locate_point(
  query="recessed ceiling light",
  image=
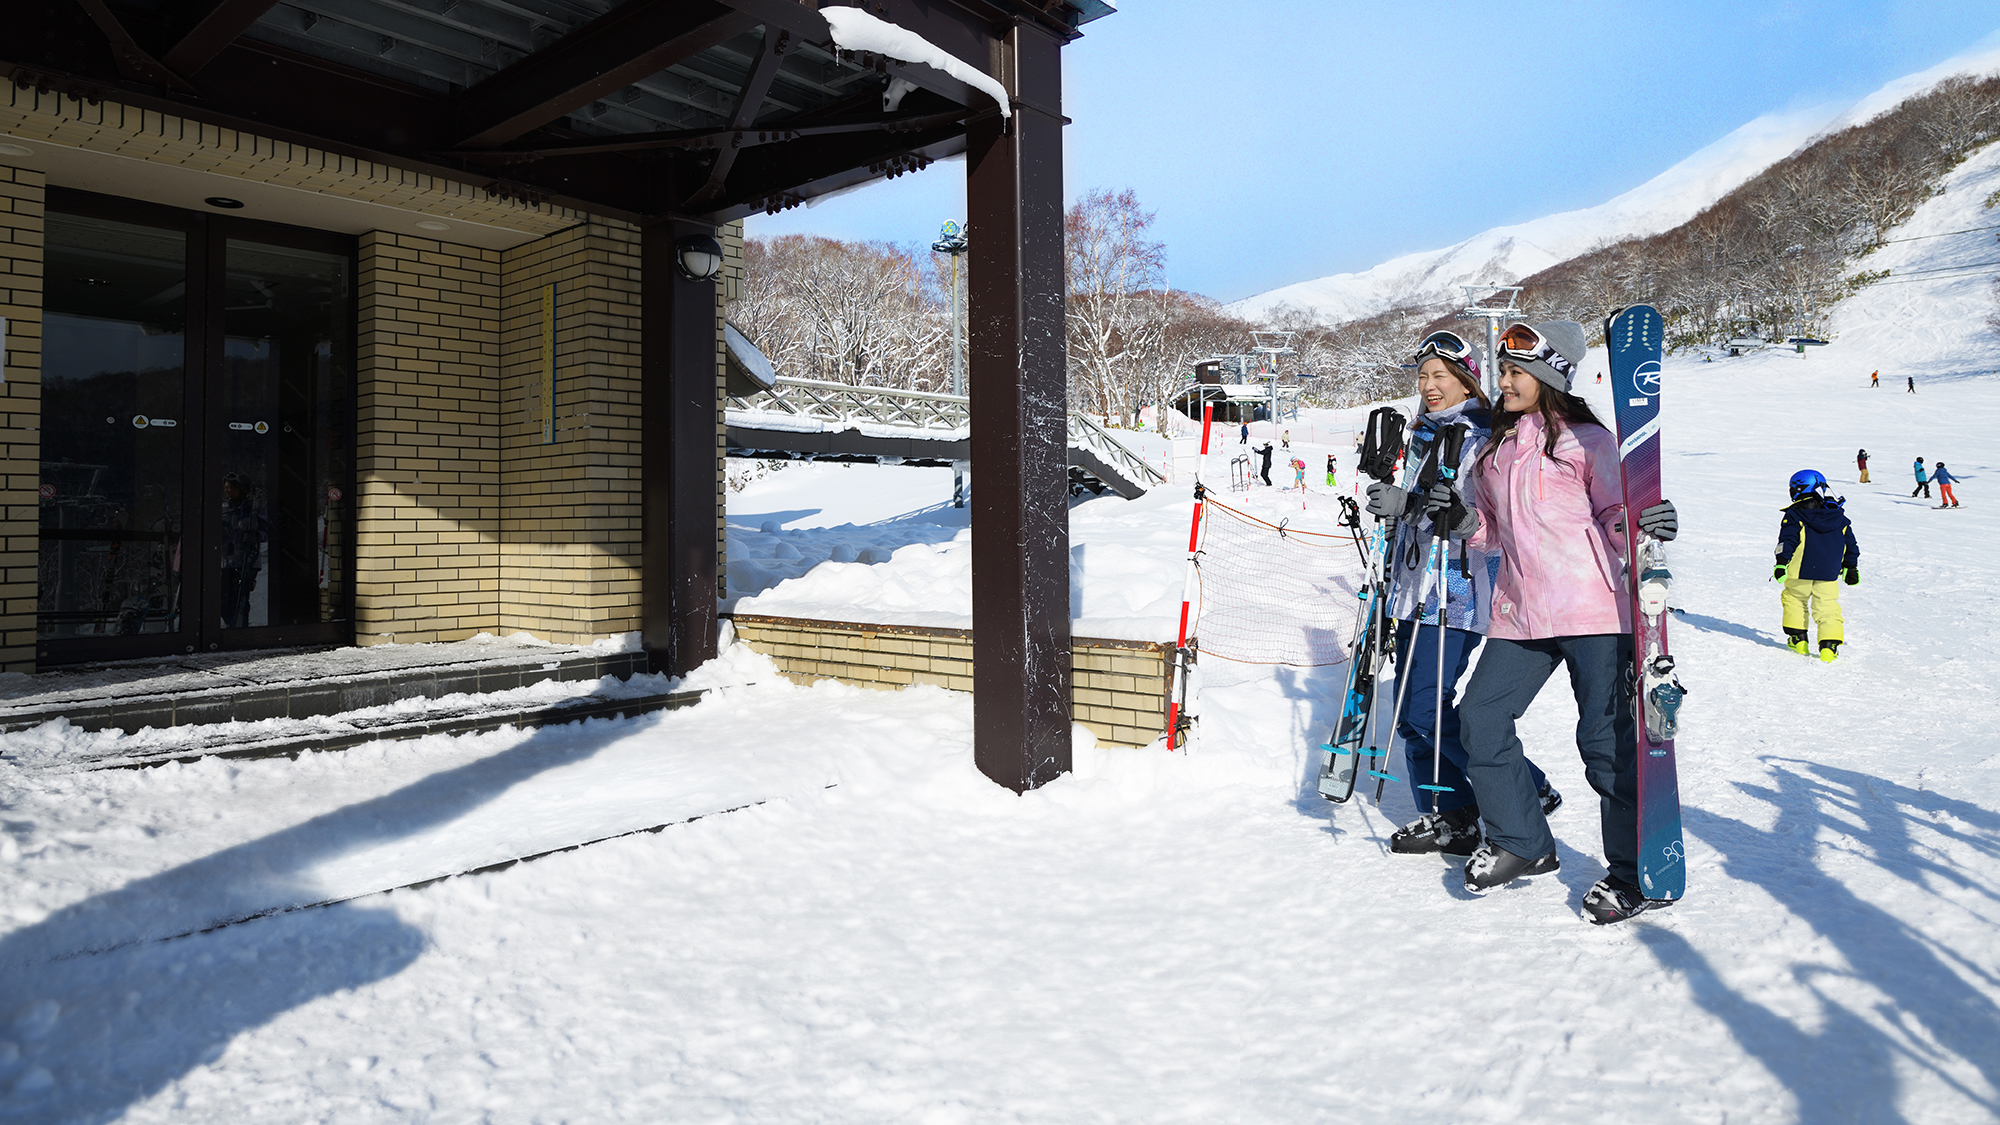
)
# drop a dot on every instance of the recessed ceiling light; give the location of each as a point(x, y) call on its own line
point(16, 150)
point(432, 224)
point(224, 202)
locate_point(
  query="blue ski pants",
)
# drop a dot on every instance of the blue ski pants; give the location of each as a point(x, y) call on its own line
point(1509, 675)
point(1415, 721)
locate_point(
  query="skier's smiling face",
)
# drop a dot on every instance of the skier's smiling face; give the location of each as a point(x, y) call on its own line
point(1439, 387)
point(1520, 392)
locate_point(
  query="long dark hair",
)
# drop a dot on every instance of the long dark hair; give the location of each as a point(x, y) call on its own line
point(1557, 408)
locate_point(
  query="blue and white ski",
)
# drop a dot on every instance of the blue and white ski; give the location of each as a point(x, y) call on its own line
point(1635, 337)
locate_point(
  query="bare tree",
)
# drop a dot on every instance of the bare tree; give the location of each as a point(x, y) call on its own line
point(1116, 317)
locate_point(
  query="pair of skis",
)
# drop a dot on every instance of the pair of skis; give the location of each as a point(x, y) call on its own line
point(1374, 635)
point(1375, 631)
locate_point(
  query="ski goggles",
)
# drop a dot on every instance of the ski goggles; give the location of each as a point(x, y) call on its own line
point(1451, 346)
point(1523, 342)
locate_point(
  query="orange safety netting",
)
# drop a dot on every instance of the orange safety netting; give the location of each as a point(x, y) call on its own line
point(1272, 594)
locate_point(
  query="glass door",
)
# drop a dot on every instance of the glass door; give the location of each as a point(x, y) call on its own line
point(279, 436)
point(197, 433)
point(114, 438)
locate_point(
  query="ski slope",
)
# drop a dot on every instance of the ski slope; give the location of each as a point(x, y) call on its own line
point(1506, 254)
point(1156, 937)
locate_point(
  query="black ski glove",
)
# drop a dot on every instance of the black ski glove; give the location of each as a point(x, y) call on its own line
point(1447, 508)
point(1386, 501)
point(1778, 573)
point(1854, 574)
point(1660, 521)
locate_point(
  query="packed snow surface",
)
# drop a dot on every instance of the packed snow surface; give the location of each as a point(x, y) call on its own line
point(1506, 254)
point(1153, 937)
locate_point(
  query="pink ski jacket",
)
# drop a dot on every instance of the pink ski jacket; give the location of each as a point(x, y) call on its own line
point(1562, 569)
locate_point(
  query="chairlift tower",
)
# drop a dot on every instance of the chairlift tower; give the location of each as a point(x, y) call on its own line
point(1267, 347)
point(1493, 304)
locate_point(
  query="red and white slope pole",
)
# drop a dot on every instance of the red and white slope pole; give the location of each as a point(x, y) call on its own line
point(1177, 694)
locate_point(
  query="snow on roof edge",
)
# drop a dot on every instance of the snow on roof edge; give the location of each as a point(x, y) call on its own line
point(856, 30)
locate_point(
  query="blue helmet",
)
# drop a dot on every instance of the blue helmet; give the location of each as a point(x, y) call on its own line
point(1805, 482)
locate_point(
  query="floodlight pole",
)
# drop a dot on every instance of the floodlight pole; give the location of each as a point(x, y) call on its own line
point(951, 242)
point(1476, 297)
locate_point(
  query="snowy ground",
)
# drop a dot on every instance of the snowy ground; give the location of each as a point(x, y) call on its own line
point(1155, 937)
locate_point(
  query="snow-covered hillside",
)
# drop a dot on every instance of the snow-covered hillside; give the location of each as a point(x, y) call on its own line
point(1506, 254)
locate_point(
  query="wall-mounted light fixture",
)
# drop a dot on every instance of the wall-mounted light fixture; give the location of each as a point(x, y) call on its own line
point(432, 224)
point(699, 256)
point(224, 202)
point(16, 150)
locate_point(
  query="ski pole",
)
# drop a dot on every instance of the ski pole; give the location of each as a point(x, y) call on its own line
point(1426, 477)
point(1450, 444)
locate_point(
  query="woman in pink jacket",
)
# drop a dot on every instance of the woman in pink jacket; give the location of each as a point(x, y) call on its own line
point(1551, 502)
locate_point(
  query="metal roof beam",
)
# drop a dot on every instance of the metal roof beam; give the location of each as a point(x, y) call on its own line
point(226, 19)
point(638, 38)
point(132, 60)
point(748, 103)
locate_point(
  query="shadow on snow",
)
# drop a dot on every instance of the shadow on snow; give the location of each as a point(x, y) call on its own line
point(1934, 1014)
point(105, 1006)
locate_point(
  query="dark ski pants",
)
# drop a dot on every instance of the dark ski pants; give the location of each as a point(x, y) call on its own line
point(1509, 675)
point(1415, 721)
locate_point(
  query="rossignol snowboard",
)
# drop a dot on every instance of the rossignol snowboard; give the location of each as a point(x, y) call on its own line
point(1635, 337)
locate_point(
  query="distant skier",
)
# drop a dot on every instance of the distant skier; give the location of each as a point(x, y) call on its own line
point(1944, 481)
point(1245, 439)
point(1286, 439)
point(1298, 474)
point(1815, 547)
point(1265, 452)
point(1448, 391)
point(1861, 462)
point(1913, 384)
point(1550, 499)
point(1923, 482)
point(1874, 379)
point(1332, 467)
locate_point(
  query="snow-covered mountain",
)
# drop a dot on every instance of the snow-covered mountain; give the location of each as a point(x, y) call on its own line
point(1507, 254)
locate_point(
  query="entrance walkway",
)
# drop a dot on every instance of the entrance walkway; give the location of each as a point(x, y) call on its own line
point(291, 683)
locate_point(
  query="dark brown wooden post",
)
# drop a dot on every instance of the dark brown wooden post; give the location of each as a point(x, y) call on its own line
point(1020, 408)
point(677, 455)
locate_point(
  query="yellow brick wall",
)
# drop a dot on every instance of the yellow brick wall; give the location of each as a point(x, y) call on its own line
point(1119, 688)
point(21, 192)
point(569, 511)
point(165, 139)
point(428, 521)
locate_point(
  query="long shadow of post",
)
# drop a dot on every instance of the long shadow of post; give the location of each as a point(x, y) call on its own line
point(101, 1013)
point(1844, 1072)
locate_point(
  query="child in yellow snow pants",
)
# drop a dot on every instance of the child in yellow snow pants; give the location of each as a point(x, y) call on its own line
point(1816, 553)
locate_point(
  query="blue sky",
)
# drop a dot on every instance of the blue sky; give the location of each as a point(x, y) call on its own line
point(1281, 140)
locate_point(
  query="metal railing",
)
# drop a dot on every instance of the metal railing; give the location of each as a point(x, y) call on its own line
point(925, 410)
point(1086, 433)
point(845, 402)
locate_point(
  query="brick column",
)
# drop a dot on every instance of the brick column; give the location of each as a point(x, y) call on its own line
point(21, 192)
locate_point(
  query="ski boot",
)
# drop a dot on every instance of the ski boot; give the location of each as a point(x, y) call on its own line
point(1795, 639)
point(1551, 800)
point(1494, 866)
point(1614, 900)
point(1453, 832)
point(1829, 651)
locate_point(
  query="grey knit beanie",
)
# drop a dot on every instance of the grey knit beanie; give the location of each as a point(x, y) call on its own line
point(1566, 336)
